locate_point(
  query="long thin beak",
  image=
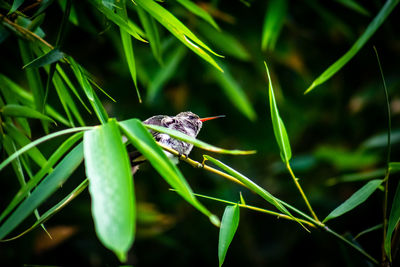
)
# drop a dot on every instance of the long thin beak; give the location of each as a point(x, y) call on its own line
point(211, 118)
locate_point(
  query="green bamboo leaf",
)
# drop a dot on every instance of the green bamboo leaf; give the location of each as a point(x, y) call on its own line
point(71, 86)
point(273, 22)
point(229, 224)
point(224, 41)
point(166, 72)
point(22, 140)
point(10, 148)
point(13, 110)
point(234, 92)
point(47, 168)
point(178, 29)
point(16, 4)
point(26, 98)
point(277, 123)
point(111, 188)
point(394, 167)
point(181, 136)
point(394, 219)
point(355, 200)
point(371, 29)
point(118, 20)
point(34, 81)
point(46, 59)
point(33, 144)
point(47, 187)
point(355, 6)
point(128, 49)
point(87, 88)
point(252, 186)
point(143, 141)
point(66, 100)
point(4, 33)
point(152, 34)
point(198, 11)
point(56, 208)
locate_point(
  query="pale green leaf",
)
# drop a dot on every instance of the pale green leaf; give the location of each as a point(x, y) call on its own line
point(277, 124)
point(229, 224)
point(111, 187)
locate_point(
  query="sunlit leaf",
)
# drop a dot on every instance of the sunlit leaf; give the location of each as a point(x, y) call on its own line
point(371, 29)
point(111, 187)
point(277, 124)
point(394, 219)
point(179, 30)
point(355, 200)
point(181, 136)
point(273, 22)
point(16, 4)
point(229, 224)
point(47, 187)
point(198, 11)
point(143, 141)
point(251, 185)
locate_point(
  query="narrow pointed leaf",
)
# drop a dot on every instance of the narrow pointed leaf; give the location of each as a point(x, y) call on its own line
point(46, 59)
point(181, 136)
point(394, 219)
point(371, 229)
point(33, 144)
point(371, 29)
point(16, 4)
point(13, 110)
point(273, 22)
point(111, 188)
point(355, 6)
point(47, 168)
point(229, 224)
point(198, 11)
point(142, 140)
point(251, 185)
point(47, 187)
point(355, 200)
point(234, 92)
point(178, 29)
point(128, 49)
point(152, 33)
point(166, 72)
point(118, 20)
point(56, 208)
point(22, 140)
point(279, 128)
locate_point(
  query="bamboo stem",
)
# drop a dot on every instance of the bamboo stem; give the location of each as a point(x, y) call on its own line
point(296, 182)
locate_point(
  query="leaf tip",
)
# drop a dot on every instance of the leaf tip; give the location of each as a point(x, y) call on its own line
point(215, 220)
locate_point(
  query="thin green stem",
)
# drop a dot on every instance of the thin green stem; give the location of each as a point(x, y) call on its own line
point(296, 182)
point(372, 259)
point(388, 149)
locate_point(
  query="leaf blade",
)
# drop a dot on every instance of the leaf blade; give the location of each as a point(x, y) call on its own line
point(111, 188)
point(356, 199)
point(14, 110)
point(229, 225)
point(394, 219)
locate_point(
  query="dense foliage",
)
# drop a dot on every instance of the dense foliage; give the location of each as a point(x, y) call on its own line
point(77, 76)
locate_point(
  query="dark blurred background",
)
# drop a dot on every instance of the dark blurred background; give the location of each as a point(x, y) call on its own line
point(330, 131)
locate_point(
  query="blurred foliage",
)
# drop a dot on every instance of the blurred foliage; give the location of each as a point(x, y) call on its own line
point(76, 63)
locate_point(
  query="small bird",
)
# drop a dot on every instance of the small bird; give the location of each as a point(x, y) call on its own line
point(186, 122)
